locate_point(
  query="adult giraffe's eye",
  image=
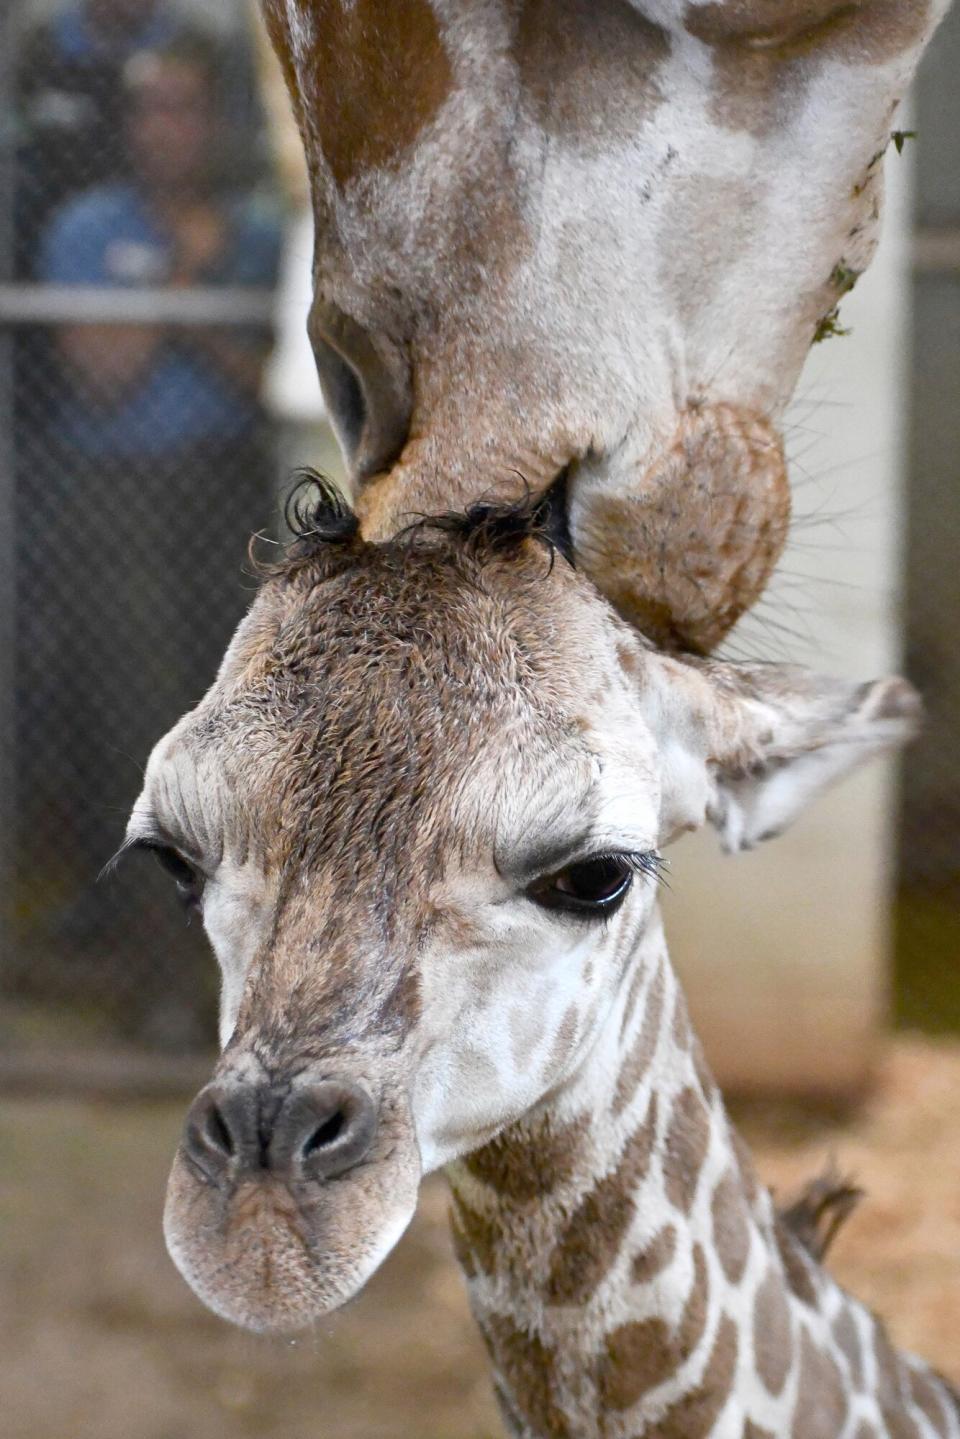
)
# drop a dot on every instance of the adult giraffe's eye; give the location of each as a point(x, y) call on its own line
point(594, 886)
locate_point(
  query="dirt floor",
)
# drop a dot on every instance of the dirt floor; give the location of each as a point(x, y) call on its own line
point(100, 1339)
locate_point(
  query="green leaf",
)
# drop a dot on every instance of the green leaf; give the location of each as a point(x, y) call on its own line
point(829, 327)
point(900, 138)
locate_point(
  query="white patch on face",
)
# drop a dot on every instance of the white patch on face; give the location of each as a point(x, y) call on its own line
point(236, 916)
point(469, 1083)
point(628, 798)
point(185, 799)
point(510, 1018)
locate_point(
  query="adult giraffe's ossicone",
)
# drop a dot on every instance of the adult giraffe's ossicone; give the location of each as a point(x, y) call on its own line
point(595, 233)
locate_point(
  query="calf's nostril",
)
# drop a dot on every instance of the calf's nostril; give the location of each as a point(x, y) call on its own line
point(218, 1134)
point(324, 1134)
point(220, 1127)
point(324, 1130)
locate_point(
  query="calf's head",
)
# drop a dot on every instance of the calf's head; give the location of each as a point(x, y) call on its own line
point(421, 810)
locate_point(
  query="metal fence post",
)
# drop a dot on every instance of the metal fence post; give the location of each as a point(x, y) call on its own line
point(8, 32)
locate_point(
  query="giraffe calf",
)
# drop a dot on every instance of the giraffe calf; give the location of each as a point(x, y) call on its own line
point(421, 811)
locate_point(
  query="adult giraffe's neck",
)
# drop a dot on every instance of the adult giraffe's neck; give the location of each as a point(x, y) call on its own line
point(631, 1278)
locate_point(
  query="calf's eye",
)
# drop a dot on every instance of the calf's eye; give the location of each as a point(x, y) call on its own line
point(188, 880)
point(595, 886)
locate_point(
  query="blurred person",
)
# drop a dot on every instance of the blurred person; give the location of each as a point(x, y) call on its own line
point(70, 101)
point(153, 469)
point(143, 390)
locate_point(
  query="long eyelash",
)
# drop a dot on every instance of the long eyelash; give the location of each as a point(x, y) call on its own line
point(649, 864)
point(113, 863)
point(147, 845)
point(188, 898)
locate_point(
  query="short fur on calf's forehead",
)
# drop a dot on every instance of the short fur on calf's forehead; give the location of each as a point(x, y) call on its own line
point(369, 681)
point(386, 712)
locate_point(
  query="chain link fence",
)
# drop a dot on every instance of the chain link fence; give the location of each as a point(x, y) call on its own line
point(138, 258)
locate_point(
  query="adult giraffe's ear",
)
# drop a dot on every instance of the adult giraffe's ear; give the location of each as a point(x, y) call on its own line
point(748, 746)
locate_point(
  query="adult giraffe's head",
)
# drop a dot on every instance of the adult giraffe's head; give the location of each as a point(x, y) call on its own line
point(598, 232)
point(421, 811)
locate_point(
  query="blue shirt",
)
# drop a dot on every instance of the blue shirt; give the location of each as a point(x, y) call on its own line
point(107, 236)
point(76, 40)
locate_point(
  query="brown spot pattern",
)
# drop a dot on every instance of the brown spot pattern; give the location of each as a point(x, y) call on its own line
point(649, 1262)
point(693, 1321)
point(871, 32)
point(731, 1227)
point(846, 1334)
point(391, 74)
point(927, 1393)
point(753, 1431)
point(865, 1431)
point(748, 1173)
point(588, 70)
point(765, 52)
point(796, 1265)
point(474, 1238)
point(638, 1357)
point(772, 1342)
point(522, 1169)
point(633, 994)
point(562, 1046)
point(693, 1416)
point(643, 1353)
point(528, 1370)
point(891, 1387)
point(900, 1425)
point(821, 1406)
point(592, 1237)
point(687, 1141)
point(642, 1053)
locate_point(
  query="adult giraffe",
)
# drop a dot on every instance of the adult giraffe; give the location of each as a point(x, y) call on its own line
point(591, 233)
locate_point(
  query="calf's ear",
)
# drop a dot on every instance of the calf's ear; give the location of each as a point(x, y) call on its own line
point(747, 746)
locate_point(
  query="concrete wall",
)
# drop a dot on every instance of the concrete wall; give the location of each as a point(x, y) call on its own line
point(785, 951)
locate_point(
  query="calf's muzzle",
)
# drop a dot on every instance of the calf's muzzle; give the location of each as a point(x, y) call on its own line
point(237, 1132)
